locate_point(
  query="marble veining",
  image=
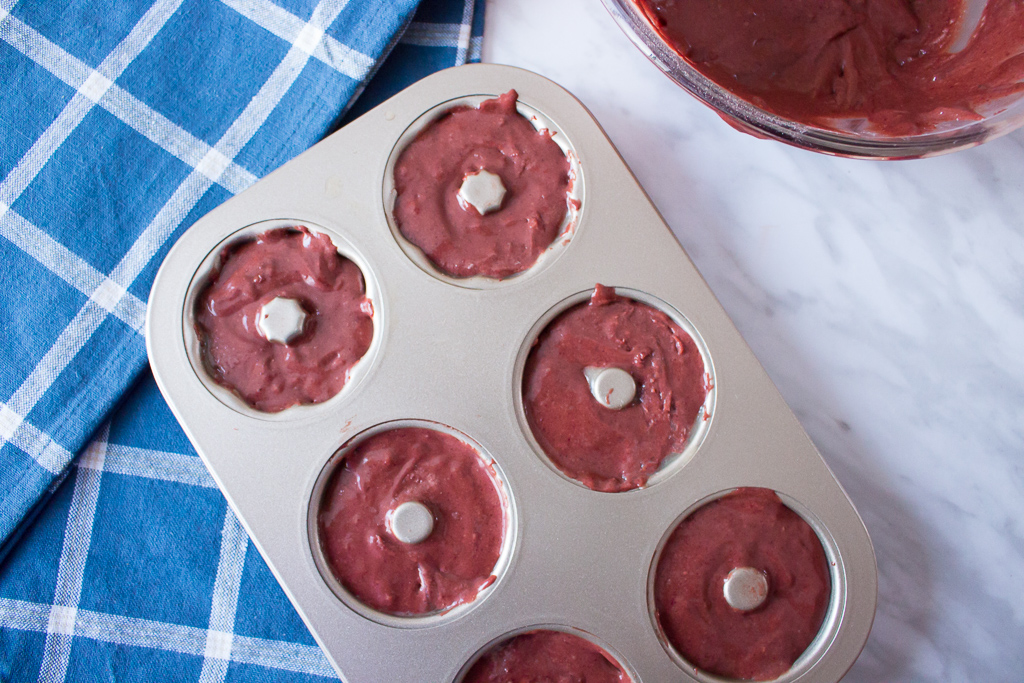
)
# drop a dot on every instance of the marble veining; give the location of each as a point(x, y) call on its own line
point(885, 299)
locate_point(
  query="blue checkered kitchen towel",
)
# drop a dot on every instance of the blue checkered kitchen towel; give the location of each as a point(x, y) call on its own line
point(120, 124)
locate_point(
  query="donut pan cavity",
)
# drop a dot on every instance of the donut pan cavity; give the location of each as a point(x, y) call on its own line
point(430, 619)
point(451, 353)
point(703, 421)
point(213, 262)
point(539, 121)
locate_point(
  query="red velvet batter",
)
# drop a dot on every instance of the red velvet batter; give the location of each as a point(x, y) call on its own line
point(747, 528)
point(295, 264)
point(546, 657)
point(822, 61)
point(613, 450)
point(494, 138)
point(412, 464)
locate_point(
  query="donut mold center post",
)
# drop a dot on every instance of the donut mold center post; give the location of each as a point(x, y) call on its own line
point(281, 320)
point(411, 522)
point(745, 588)
point(483, 191)
point(611, 387)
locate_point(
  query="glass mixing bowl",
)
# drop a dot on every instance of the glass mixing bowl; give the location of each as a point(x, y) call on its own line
point(747, 117)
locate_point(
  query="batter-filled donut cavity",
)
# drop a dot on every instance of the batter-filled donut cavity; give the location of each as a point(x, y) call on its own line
point(411, 521)
point(483, 189)
point(543, 656)
point(280, 318)
point(742, 587)
point(616, 391)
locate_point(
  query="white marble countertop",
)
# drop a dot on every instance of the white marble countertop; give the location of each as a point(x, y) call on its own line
point(885, 299)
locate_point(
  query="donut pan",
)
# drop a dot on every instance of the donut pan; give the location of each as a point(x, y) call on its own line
point(451, 352)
